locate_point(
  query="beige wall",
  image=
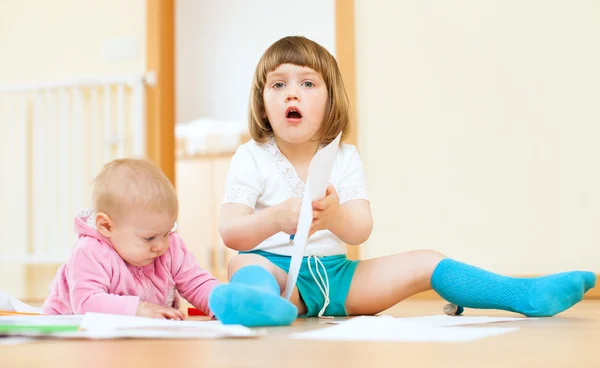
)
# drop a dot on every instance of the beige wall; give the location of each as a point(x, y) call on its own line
point(201, 185)
point(479, 126)
point(51, 41)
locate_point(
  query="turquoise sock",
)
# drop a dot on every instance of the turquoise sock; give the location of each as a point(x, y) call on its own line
point(472, 287)
point(252, 298)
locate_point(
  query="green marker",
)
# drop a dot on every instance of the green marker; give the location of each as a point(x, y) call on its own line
point(16, 328)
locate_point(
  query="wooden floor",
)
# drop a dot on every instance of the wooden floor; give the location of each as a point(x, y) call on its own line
point(571, 339)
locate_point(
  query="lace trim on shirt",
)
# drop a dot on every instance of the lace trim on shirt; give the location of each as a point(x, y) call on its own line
point(355, 191)
point(239, 195)
point(286, 169)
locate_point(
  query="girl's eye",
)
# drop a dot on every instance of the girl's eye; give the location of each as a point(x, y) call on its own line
point(278, 85)
point(150, 238)
point(308, 84)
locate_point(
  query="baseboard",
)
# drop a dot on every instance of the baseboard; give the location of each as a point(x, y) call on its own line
point(593, 294)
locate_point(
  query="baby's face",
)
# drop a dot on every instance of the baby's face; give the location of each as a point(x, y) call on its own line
point(141, 236)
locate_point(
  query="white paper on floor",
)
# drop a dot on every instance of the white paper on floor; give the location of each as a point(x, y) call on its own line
point(108, 326)
point(43, 320)
point(103, 326)
point(444, 320)
point(15, 340)
point(12, 304)
point(399, 330)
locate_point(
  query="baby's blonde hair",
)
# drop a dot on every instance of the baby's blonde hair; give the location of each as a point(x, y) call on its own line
point(301, 51)
point(129, 182)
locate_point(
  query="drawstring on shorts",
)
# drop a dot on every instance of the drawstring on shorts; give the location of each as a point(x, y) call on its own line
point(322, 284)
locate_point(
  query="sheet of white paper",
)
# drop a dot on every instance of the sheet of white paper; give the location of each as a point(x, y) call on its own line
point(444, 320)
point(138, 333)
point(10, 303)
point(317, 180)
point(396, 330)
point(319, 171)
point(15, 340)
point(162, 333)
point(300, 240)
point(107, 326)
point(43, 320)
point(98, 325)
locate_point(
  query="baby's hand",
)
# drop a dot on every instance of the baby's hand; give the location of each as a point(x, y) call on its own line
point(326, 212)
point(289, 214)
point(156, 311)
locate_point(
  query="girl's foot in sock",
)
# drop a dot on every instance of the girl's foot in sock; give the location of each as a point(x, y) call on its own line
point(473, 287)
point(252, 299)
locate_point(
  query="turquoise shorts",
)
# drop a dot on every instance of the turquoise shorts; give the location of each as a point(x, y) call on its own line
point(340, 271)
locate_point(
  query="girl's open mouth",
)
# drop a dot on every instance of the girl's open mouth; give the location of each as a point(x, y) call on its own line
point(293, 114)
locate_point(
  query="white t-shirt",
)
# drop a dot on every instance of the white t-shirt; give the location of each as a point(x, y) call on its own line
point(260, 176)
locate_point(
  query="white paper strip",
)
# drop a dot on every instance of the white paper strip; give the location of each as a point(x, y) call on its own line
point(317, 180)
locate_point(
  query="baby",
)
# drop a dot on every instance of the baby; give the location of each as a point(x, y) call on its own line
point(128, 258)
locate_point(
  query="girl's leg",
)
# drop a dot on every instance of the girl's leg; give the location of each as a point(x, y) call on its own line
point(545, 296)
point(242, 260)
point(380, 283)
point(253, 295)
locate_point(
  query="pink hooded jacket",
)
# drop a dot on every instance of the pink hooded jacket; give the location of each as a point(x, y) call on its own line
point(97, 279)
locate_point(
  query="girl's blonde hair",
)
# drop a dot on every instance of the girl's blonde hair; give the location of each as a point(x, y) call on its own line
point(128, 183)
point(301, 51)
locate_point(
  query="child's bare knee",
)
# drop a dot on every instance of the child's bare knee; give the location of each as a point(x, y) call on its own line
point(434, 255)
point(427, 261)
point(242, 260)
point(238, 262)
point(430, 259)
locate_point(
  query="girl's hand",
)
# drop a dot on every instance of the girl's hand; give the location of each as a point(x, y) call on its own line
point(156, 311)
point(327, 212)
point(287, 219)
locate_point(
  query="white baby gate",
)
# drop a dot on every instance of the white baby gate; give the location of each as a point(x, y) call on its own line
point(54, 139)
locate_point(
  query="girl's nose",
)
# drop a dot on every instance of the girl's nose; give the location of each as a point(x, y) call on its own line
point(291, 95)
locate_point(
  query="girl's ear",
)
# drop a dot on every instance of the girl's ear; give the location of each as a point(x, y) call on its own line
point(104, 224)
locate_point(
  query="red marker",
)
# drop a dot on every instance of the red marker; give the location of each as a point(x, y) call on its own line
point(195, 312)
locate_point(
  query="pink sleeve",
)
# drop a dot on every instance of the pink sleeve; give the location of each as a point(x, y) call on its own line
point(193, 283)
point(88, 277)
